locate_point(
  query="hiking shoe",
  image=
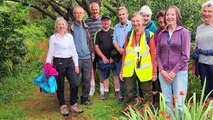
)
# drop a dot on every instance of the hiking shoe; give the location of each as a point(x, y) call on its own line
point(118, 95)
point(87, 102)
point(76, 109)
point(64, 111)
point(104, 96)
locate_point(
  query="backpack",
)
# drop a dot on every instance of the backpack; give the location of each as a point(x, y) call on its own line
point(147, 33)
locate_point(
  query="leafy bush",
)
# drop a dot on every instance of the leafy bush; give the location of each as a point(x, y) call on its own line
point(11, 42)
point(192, 110)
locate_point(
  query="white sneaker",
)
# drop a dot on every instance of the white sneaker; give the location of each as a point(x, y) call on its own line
point(92, 88)
point(101, 88)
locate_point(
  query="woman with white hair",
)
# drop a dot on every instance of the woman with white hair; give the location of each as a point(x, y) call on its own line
point(204, 45)
point(146, 14)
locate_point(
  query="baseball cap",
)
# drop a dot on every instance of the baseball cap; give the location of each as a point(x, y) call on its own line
point(105, 16)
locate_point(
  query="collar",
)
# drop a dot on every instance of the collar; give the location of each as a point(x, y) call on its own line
point(177, 29)
point(127, 23)
point(85, 26)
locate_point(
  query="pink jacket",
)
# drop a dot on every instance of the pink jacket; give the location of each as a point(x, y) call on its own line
point(50, 70)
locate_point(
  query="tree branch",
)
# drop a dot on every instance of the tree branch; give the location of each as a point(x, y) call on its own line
point(58, 9)
point(64, 6)
point(110, 9)
point(44, 12)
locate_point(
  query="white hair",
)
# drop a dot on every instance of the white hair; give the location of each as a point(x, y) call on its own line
point(208, 3)
point(60, 19)
point(145, 10)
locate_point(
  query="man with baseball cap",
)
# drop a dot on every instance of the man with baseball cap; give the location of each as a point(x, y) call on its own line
point(103, 48)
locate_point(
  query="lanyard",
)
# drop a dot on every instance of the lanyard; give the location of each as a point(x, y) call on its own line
point(138, 53)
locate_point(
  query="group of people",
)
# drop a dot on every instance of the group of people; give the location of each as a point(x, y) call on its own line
point(140, 57)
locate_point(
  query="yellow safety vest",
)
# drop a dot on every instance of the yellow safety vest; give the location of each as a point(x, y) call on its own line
point(144, 72)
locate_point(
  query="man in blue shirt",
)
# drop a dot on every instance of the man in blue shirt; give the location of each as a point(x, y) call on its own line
point(119, 35)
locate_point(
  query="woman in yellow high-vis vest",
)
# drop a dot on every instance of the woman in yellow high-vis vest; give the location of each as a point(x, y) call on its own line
point(138, 62)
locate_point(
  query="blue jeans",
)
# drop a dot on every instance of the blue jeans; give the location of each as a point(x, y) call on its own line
point(180, 83)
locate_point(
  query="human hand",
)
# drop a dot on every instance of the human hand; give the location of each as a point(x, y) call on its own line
point(172, 75)
point(154, 78)
point(76, 69)
point(121, 50)
point(105, 60)
point(165, 76)
point(111, 60)
point(121, 77)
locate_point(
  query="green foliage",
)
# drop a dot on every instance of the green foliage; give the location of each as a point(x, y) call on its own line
point(192, 110)
point(11, 42)
point(11, 113)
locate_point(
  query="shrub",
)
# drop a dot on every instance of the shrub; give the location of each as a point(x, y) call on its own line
point(192, 110)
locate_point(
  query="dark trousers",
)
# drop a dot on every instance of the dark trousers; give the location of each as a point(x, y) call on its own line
point(118, 70)
point(66, 68)
point(85, 67)
point(206, 73)
point(130, 85)
point(156, 87)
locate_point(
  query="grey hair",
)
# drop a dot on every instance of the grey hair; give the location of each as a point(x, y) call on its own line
point(146, 10)
point(76, 7)
point(60, 19)
point(136, 14)
point(208, 3)
point(123, 8)
point(93, 3)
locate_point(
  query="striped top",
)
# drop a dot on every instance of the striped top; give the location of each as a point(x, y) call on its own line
point(204, 41)
point(94, 25)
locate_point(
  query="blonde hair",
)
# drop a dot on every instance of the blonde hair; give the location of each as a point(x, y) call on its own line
point(60, 19)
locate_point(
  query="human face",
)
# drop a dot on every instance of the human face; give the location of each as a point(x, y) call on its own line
point(95, 11)
point(207, 15)
point(123, 16)
point(161, 21)
point(61, 26)
point(171, 17)
point(106, 23)
point(79, 14)
point(146, 18)
point(137, 22)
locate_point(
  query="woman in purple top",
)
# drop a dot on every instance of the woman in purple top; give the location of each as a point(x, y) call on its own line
point(173, 50)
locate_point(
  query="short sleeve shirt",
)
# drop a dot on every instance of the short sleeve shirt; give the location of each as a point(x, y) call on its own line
point(104, 40)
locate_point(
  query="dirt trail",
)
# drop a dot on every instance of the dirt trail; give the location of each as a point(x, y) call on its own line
point(45, 107)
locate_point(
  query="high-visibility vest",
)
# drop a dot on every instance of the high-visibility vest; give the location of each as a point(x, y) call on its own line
point(144, 72)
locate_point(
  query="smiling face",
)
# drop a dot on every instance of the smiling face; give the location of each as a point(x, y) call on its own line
point(146, 18)
point(79, 14)
point(207, 14)
point(106, 23)
point(137, 22)
point(171, 17)
point(161, 21)
point(94, 9)
point(61, 26)
point(123, 16)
